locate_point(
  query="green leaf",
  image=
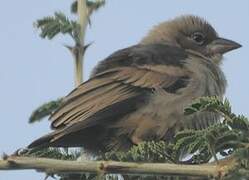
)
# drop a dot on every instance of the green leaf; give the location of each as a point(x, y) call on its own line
point(45, 110)
point(51, 26)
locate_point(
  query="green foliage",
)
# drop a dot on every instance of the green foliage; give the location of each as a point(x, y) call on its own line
point(53, 153)
point(53, 25)
point(144, 152)
point(211, 104)
point(224, 138)
point(205, 144)
point(45, 110)
point(92, 5)
point(62, 154)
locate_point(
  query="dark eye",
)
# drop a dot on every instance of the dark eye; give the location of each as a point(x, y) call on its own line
point(198, 37)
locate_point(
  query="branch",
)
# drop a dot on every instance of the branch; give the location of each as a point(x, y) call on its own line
point(84, 10)
point(54, 166)
point(79, 56)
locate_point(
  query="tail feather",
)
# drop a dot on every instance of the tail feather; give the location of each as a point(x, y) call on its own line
point(87, 138)
point(43, 142)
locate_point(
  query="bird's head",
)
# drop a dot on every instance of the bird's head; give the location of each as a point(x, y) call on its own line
point(191, 33)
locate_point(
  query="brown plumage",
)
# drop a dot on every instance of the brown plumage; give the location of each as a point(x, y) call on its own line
point(139, 93)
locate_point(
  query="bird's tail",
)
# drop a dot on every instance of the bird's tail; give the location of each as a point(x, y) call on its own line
point(43, 142)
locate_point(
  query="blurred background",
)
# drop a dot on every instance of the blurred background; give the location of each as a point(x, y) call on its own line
point(34, 71)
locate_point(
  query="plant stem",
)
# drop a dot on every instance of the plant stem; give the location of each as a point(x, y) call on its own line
point(79, 53)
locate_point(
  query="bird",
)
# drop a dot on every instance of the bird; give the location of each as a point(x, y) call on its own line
point(139, 93)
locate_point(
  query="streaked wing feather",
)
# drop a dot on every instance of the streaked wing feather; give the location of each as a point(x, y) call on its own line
point(106, 91)
point(82, 100)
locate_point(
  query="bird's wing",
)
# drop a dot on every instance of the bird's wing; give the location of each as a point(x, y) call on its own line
point(113, 93)
point(121, 83)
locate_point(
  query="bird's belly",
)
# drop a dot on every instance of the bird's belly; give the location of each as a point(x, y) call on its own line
point(164, 115)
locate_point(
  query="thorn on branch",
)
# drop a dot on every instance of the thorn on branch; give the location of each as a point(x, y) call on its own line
point(77, 49)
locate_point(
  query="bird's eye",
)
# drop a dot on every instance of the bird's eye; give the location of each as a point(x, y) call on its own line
point(198, 37)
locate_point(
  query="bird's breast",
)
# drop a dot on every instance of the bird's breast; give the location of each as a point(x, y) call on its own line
point(207, 77)
point(166, 109)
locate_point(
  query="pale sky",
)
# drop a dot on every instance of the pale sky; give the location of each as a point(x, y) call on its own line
point(34, 71)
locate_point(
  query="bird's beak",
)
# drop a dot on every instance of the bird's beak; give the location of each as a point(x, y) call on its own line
point(221, 46)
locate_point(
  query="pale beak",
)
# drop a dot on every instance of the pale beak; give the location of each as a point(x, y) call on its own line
point(221, 46)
